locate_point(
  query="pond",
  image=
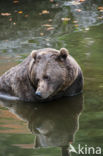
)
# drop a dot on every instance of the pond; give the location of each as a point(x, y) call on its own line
point(47, 129)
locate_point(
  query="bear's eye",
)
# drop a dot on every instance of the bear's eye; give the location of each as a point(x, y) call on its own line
point(46, 77)
point(37, 81)
point(37, 60)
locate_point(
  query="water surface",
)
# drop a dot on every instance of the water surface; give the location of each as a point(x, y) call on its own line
point(28, 129)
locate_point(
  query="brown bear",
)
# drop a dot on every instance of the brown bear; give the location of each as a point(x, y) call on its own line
point(45, 74)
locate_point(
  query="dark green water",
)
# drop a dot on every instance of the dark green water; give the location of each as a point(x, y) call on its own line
point(54, 125)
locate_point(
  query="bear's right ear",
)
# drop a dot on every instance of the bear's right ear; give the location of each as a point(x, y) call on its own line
point(63, 53)
point(33, 54)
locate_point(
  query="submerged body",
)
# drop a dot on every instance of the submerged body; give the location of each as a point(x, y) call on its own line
point(44, 75)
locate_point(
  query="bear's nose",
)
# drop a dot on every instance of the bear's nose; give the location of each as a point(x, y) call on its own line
point(38, 94)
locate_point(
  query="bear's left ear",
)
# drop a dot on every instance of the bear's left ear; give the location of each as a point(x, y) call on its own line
point(63, 53)
point(33, 54)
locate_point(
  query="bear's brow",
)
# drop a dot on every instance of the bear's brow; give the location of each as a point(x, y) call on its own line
point(48, 54)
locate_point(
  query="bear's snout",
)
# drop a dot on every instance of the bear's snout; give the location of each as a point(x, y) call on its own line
point(38, 94)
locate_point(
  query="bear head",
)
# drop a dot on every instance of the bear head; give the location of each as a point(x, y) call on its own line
point(48, 72)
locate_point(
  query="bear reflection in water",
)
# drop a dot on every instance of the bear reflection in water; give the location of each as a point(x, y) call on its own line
point(53, 123)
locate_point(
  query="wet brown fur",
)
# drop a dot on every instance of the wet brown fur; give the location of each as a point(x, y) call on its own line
point(23, 80)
